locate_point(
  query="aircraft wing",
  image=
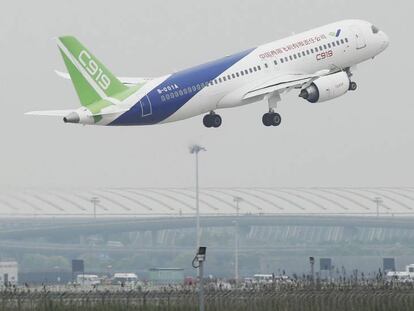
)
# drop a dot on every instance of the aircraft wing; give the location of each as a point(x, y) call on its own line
point(285, 82)
point(125, 80)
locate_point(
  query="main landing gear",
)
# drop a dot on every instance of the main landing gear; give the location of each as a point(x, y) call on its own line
point(212, 120)
point(353, 86)
point(271, 119)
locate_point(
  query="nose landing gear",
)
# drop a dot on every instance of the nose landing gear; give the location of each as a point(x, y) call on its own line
point(353, 86)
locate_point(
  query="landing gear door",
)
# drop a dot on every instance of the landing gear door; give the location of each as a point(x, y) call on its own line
point(146, 107)
point(359, 38)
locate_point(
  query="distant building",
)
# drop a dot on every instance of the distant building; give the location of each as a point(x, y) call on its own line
point(8, 273)
point(164, 276)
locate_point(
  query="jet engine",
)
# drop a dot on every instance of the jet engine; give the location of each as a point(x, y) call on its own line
point(326, 88)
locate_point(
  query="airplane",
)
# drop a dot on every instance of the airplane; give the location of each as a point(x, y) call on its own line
point(317, 64)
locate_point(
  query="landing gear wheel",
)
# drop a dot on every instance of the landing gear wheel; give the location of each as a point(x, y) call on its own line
point(212, 120)
point(207, 121)
point(271, 119)
point(216, 120)
point(276, 119)
point(353, 86)
point(266, 119)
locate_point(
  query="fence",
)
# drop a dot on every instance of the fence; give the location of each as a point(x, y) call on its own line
point(291, 297)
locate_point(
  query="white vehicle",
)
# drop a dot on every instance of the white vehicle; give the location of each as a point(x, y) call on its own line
point(88, 280)
point(263, 278)
point(402, 276)
point(125, 279)
point(316, 64)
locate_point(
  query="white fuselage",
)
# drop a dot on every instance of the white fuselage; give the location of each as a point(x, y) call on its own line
point(361, 45)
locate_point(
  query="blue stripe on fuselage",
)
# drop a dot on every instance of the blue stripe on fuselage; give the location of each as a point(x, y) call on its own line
point(183, 79)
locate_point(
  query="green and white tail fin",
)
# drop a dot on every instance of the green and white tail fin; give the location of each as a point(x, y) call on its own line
point(92, 80)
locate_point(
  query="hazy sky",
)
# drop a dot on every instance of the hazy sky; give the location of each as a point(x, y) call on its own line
point(364, 138)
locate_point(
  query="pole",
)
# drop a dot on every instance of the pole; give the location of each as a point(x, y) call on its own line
point(312, 263)
point(195, 149)
point(236, 259)
point(95, 201)
point(197, 205)
point(378, 201)
point(201, 287)
point(236, 200)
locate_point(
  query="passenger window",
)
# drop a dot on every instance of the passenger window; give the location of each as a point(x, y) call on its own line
point(167, 96)
point(220, 80)
point(333, 44)
point(282, 61)
point(254, 68)
point(198, 87)
point(237, 74)
point(346, 40)
point(242, 73)
point(163, 98)
point(321, 48)
point(172, 95)
point(215, 81)
point(307, 52)
point(286, 59)
point(290, 57)
point(246, 71)
point(338, 43)
point(176, 94)
point(180, 92)
point(233, 76)
point(224, 79)
point(250, 70)
point(194, 88)
point(185, 91)
point(259, 68)
point(342, 41)
point(228, 77)
point(329, 45)
point(303, 53)
point(266, 65)
point(299, 55)
point(189, 90)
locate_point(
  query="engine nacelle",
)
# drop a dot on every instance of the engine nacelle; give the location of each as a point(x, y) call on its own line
point(326, 88)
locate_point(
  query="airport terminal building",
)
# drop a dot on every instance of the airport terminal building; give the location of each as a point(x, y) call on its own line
point(278, 228)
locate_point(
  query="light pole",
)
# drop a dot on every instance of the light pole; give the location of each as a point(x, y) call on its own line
point(95, 201)
point(200, 257)
point(378, 201)
point(237, 201)
point(195, 149)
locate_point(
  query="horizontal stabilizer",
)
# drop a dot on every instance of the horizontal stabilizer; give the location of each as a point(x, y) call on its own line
point(50, 113)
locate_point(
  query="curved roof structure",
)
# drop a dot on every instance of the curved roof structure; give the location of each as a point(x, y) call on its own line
point(118, 202)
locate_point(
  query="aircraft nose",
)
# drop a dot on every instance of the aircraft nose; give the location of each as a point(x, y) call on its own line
point(385, 40)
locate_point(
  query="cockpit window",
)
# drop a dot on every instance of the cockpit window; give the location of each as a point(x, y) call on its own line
point(375, 29)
